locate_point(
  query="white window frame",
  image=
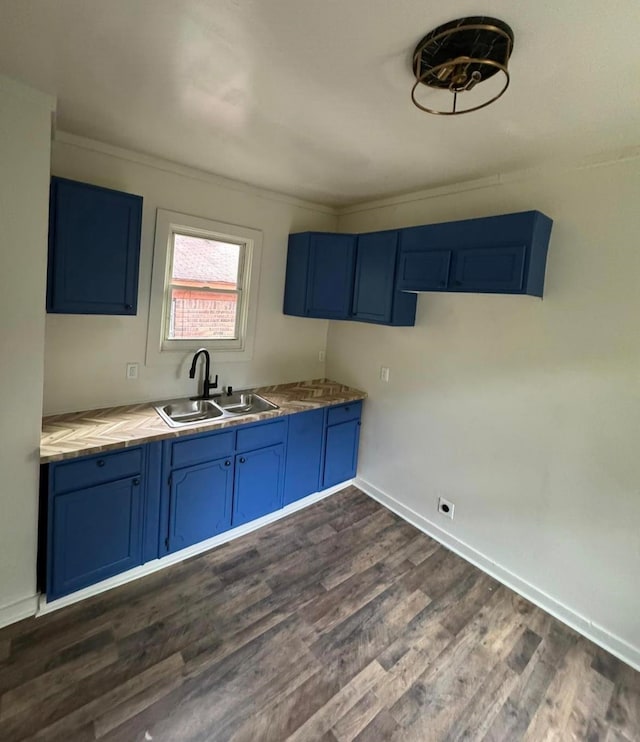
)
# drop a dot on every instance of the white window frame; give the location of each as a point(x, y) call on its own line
point(169, 223)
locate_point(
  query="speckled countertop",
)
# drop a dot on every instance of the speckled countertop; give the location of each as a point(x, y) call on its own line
point(94, 431)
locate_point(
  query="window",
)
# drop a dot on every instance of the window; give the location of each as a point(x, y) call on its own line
point(204, 298)
point(204, 288)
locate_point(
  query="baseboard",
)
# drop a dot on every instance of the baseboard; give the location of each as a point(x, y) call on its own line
point(42, 606)
point(591, 630)
point(19, 610)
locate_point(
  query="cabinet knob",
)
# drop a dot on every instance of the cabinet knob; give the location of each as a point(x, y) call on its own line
point(458, 283)
point(100, 462)
point(242, 459)
point(346, 409)
point(136, 481)
point(128, 306)
point(227, 463)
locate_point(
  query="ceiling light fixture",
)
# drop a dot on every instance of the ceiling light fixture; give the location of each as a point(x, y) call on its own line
point(459, 55)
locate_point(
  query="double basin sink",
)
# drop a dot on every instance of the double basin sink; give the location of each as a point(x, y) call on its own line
point(180, 412)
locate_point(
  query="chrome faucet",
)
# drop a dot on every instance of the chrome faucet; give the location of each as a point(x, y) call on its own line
point(207, 385)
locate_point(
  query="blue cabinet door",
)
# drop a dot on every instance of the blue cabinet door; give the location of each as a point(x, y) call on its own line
point(375, 276)
point(330, 275)
point(341, 452)
point(424, 271)
point(259, 484)
point(199, 503)
point(490, 270)
point(94, 249)
point(96, 532)
point(304, 455)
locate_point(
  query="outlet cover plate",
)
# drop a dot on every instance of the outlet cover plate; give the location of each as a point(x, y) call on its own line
point(446, 507)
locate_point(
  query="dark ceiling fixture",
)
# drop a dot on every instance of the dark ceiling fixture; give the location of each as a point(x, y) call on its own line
point(459, 55)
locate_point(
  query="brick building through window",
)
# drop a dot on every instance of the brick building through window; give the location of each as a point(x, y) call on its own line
point(204, 289)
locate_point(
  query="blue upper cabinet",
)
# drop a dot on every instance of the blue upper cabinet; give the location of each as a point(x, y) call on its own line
point(500, 254)
point(320, 275)
point(375, 298)
point(94, 249)
point(341, 276)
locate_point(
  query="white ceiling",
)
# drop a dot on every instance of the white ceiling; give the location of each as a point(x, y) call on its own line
point(311, 97)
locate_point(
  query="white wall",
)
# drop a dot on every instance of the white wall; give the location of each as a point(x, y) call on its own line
point(25, 134)
point(86, 356)
point(524, 413)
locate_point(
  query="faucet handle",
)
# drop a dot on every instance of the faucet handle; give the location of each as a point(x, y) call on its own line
point(229, 390)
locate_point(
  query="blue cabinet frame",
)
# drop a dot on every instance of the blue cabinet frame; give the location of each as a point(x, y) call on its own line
point(346, 277)
point(499, 255)
point(110, 512)
point(94, 249)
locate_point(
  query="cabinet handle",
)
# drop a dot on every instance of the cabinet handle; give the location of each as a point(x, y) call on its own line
point(227, 463)
point(136, 481)
point(242, 459)
point(100, 462)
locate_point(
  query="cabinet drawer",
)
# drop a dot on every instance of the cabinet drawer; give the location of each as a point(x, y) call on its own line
point(259, 436)
point(204, 448)
point(87, 472)
point(344, 412)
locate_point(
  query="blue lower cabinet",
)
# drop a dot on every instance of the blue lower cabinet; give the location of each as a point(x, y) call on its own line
point(95, 533)
point(304, 455)
point(259, 484)
point(341, 452)
point(199, 503)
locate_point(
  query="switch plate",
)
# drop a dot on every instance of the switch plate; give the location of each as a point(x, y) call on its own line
point(321, 356)
point(132, 370)
point(384, 374)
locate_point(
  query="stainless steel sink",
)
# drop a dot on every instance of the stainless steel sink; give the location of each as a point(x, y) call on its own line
point(244, 403)
point(180, 412)
point(187, 411)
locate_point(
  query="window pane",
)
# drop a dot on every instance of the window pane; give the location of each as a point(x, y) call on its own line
point(200, 263)
point(202, 314)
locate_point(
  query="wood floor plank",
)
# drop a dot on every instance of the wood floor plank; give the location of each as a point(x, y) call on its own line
point(339, 623)
point(358, 717)
point(342, 702)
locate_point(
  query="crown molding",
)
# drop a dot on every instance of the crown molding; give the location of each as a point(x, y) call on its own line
point(594, 161)
point(185, 171)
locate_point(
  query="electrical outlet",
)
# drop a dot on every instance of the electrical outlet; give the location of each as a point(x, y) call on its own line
point(384, 374)
point(321, 356)
point(446, 507)
point(132, 370)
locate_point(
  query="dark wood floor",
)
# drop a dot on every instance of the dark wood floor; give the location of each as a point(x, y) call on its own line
point(338, 623)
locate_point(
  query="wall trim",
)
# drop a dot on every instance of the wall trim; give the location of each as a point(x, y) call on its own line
point(41, 607)
point(510, 176)
point(583, 625)
point(17, 611)
point(186, 171)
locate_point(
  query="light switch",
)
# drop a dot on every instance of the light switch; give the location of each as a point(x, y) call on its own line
point(384, 374)
point(132, 370)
